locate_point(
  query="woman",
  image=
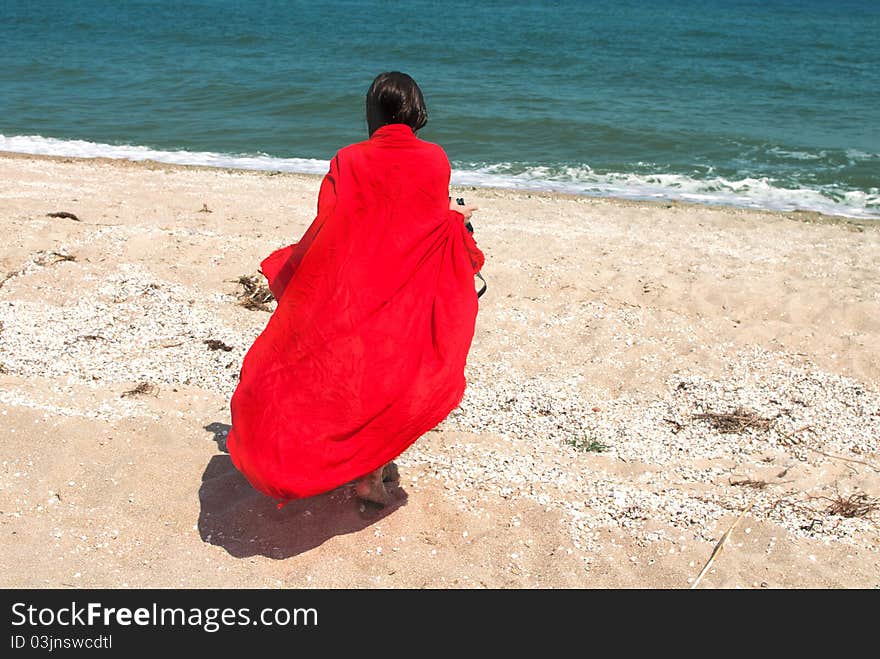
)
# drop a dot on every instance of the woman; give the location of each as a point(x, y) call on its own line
point(376, 312)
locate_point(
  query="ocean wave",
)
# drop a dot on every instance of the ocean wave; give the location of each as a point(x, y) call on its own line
point(759, 193)
point(747, 192)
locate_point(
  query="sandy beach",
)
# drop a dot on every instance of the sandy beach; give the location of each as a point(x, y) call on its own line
point(641, 374)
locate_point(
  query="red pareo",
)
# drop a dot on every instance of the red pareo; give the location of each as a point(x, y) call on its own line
point(376, 313)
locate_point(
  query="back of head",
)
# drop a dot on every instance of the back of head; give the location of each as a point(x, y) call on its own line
point(395, 98)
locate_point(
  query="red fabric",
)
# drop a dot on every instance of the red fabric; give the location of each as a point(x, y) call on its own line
point(376, 312)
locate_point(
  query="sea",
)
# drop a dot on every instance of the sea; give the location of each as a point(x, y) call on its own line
point(770, 104)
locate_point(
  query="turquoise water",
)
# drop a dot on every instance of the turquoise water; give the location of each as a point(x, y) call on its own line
point(769, 104)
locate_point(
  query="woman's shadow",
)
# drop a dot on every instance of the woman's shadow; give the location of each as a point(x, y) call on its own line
point(247, 523)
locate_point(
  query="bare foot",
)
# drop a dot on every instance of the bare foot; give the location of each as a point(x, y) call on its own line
point(390, 474)
point(371, 488)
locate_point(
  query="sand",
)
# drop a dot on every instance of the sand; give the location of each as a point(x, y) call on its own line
point(577, 458)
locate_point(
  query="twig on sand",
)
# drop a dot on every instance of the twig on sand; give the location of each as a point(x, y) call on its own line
point(840, 457)
point(205, 209)
point(718, 547)
point(62, 257)
point(677, 427)
point(791, 437)
point(91, 337)
point(64, 215)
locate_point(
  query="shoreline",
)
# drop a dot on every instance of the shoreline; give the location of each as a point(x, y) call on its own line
point(856, 224)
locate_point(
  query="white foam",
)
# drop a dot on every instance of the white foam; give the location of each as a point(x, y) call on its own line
point(856, 154)
point(797, 155)
point(759, 193)
point(49, 146)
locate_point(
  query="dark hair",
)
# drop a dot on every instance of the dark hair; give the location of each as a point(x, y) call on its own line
point(395, 98)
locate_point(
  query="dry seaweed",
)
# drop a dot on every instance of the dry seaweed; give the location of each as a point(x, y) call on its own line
point(737, 421)
point(64, 215)
point(855, 505)
point(255, 295)
point(215, 344)
point(142, 389)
